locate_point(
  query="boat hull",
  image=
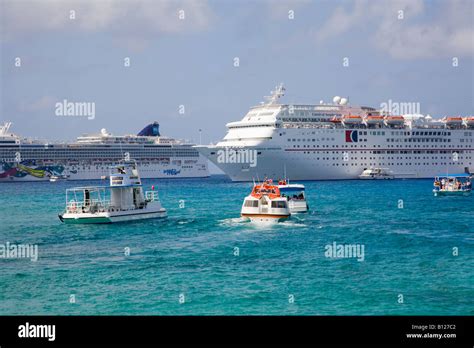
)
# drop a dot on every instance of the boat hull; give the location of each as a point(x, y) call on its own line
point(451, 193)
point(375, 177)
point(265, 218)
point(298, 207)
point(107, 217)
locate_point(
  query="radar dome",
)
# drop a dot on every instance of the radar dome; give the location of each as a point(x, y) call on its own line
point(343, 101)
point(103, 131)
point(336, 99)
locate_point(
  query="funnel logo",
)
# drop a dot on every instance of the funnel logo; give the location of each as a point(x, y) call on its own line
point(351, 136)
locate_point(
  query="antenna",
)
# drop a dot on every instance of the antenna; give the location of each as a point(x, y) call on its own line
point(276, 94)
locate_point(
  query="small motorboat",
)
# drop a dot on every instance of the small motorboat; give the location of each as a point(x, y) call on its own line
point(265, 204)
point(123, 200)
point(55, 178)
point(452, 185)
point(295, 194)
point(377, 174)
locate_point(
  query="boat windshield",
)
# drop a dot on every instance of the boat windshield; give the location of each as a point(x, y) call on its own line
point(293, 193)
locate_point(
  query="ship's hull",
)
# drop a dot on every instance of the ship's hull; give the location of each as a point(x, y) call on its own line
point(343, 158)
point(14, 173)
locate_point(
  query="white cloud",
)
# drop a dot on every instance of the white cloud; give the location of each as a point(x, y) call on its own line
point(131, 19)
point(278, 9)
point(449, 32)
point(44, 103)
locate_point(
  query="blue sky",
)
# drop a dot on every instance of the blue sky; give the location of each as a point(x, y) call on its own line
point(190, 61)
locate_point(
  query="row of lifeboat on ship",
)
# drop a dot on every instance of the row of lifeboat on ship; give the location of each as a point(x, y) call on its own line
point(469, 121)
point(369, 120)
point(457, 121)
point(374, 120)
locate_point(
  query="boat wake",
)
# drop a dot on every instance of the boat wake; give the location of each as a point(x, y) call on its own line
point(232, 222)
point(293, 223)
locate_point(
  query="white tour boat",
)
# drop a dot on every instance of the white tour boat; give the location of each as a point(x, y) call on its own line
point(123, 200)
point(452, 185)
point(295, 194)
point(377, 174)
point(265, 204)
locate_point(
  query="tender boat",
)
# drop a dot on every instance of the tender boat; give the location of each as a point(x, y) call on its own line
point(452, 185)
point(352, 119)
point(54, 178)
point(394, 120)
point(265, 204)
point(377, 174)
point(295, 194)
point(123, 200)
point(469, 121)
point(453, 121)
point(374, 120)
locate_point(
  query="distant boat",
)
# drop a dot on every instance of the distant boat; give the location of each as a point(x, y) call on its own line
point(452, 185)
point(377, 174)
point(55, 178)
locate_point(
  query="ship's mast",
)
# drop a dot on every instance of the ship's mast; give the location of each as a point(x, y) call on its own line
point(276, 94)
point(4, 129)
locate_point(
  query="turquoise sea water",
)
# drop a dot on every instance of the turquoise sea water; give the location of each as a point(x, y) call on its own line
point(191, 254)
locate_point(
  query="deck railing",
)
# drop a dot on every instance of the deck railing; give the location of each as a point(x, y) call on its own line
point(88, 205)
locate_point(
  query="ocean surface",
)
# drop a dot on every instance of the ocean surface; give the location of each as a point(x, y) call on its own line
point(204, 260)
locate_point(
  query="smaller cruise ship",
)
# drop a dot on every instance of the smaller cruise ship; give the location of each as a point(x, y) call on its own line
point(124, 200)
point(265, 204)
point(91, 155)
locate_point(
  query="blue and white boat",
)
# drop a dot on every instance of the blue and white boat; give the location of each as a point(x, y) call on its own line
point(452, 185)
point(295, 194)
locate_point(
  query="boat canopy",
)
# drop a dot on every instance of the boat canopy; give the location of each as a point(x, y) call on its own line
point(291, 189)
point(88, 188)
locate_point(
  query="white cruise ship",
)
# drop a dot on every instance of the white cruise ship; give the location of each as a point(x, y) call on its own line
point(91, 156)
point(336, 140)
